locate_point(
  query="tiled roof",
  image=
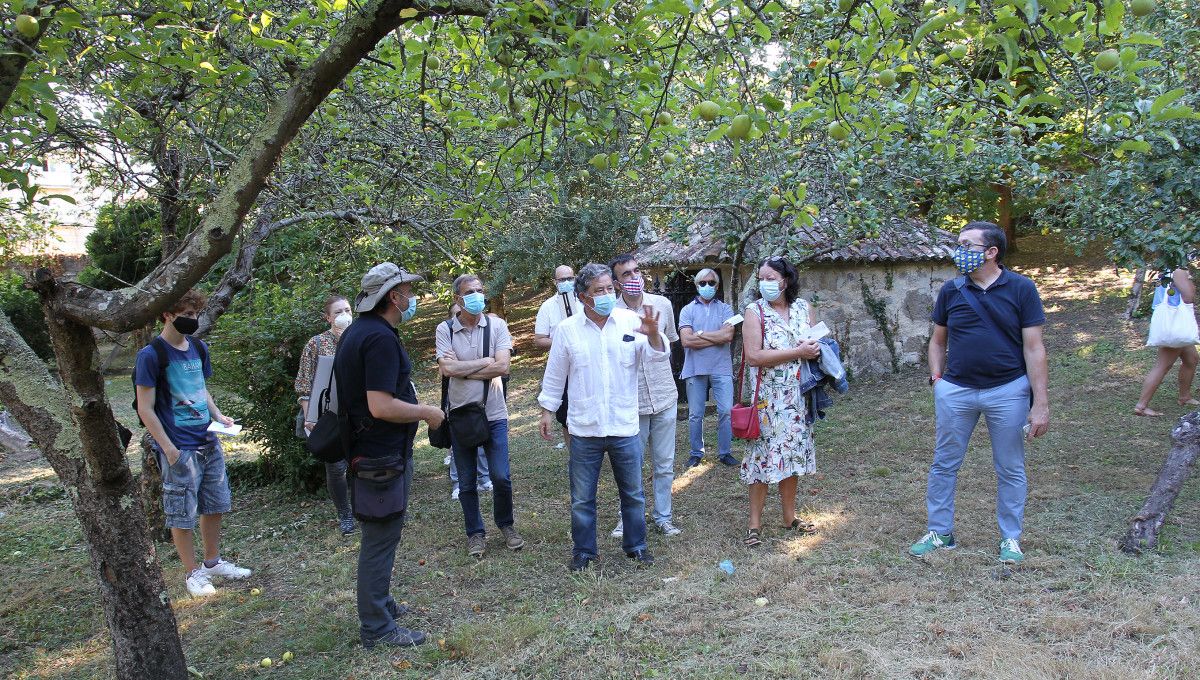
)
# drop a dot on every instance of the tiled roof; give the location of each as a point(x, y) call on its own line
point(904, 240)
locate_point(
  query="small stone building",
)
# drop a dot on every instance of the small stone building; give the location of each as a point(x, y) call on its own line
point(875, 295)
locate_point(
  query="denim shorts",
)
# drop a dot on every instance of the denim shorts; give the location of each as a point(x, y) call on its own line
point(195, 485)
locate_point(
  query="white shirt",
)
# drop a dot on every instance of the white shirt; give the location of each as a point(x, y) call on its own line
point(602, 368)
point(553, 311)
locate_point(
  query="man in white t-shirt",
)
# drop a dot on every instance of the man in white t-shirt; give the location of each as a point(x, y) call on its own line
point(560, 306)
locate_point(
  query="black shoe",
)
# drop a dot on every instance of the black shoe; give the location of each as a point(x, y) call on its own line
point(643, 557)
point(400, 637)
point(693, 461)
point(398, 611)
point(581, 562)
point(729, 460)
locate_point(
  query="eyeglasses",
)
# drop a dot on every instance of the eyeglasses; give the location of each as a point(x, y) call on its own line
point(968, 245)
point(565, 279)
point(706, 283)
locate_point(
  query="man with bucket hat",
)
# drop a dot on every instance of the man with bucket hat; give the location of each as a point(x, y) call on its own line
point(374, 385)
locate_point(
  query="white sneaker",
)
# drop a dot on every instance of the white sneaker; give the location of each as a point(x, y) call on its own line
point(454, 494)
point(225, 570)
point(619, 531)
point(669, 529)
point(486, 488)
point(198, 584)
point(446, 460)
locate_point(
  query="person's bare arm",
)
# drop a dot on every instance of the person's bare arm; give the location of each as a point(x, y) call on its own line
point(691, 340)
point(216, 412)
point(385, 406)
point(1037, 368)
point(542, 342)
point(1182, 280)
point(497, 368)
point(456, 368)
point(937, 351)
point(145, 410)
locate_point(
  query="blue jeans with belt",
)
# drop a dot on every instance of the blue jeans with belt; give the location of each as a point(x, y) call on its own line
point(1006, 409)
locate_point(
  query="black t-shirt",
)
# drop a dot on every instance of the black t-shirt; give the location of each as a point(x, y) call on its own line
point(976, 356)
point(370, 357)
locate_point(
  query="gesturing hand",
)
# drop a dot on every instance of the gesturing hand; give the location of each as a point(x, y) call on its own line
point(649, 325)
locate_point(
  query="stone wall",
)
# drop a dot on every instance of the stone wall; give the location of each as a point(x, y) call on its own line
point(879, 313)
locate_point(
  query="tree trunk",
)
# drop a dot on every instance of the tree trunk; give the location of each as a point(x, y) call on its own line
point(1143, 530)
point(74, 427)
point(1135, 294)
point(151, 483)
point(1004, 214)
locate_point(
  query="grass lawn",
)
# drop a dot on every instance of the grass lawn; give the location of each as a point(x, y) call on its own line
point(845, 603)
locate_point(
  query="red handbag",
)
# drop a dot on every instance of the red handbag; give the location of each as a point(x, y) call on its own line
point(744, 419)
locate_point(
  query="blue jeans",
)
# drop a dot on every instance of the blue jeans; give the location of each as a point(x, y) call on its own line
point(496, 450)
point(376, 558)
point(722, 394)
point(480, 461)
point(625, 455)
point(657, 436)
point(1006, 409)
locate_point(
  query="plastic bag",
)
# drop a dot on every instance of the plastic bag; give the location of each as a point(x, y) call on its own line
point(1173, 322)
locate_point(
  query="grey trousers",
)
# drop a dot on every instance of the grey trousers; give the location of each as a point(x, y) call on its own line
point(376, 558)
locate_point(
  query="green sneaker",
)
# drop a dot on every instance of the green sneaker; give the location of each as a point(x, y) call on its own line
point(1010, 551)
point(932, 541)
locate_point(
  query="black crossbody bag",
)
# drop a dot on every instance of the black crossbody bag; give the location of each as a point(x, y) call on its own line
point(469, 423)
point(329, 440)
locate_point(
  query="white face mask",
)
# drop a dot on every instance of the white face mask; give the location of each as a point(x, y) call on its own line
point(342, 320)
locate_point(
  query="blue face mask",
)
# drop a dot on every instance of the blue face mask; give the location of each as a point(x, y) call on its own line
point(603, 304)
point(769, 290)
point(968, 260)
point(707, 290)
point(474, 302)
point(411, 311)
point(567, 287)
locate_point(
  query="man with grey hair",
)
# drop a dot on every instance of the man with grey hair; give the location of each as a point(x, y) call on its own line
point(473, 350)
point(705, 333)
point(600, 350)
point(375, 389)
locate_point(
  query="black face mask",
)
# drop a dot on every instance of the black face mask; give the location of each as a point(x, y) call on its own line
point(186, 325)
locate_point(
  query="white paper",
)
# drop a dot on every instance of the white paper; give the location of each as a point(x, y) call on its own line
point(816, 332)
point(230, 430)
point(734, 320)
point(320, 381)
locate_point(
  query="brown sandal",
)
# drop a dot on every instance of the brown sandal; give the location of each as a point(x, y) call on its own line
point(801, 527)
point(753, 538)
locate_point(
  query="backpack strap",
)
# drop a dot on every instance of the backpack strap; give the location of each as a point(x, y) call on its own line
point(487, 351)
point(160, 353)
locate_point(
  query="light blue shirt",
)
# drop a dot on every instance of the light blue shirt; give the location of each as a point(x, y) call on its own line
point(712, 360)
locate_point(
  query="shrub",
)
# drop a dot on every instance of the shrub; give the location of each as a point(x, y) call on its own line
point(256, 350)
point(23, 309)
point(126, 244)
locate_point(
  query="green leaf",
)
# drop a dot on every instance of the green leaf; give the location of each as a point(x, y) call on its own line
point(1142, 38)
point(1175, 112)
point(1165, 99)
point(1135, 145)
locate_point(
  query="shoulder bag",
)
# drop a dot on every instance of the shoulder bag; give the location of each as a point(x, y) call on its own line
point(744, 419)
point(469, 423)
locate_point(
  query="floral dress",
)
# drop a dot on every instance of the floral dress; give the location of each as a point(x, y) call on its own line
point(785, 446)
point(323, 345)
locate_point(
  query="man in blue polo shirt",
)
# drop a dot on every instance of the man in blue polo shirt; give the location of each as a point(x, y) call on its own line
point(374, 384)
point(996, 366)
point(707, 365)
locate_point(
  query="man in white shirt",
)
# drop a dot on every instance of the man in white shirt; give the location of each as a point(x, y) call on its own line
point(599, 351)
point(658, 399)
point(562, 305)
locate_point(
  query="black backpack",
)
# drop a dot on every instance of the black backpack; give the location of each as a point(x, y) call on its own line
point(160, 351)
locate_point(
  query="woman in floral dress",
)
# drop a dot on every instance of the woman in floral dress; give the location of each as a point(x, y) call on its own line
point(784, 449)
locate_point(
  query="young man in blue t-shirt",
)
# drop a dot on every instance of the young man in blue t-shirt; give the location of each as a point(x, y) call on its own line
point(174, 404)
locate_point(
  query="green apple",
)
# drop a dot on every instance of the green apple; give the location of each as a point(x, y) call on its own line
point(664, 118)
point(1140, 8)
point(432, 63)
point(775, 201)
point(838, 131)
point(599, 161)
point(288, 656)
point(887, 77)
point(669, 158)
point(27, 26)
point(739, 127)
point(708, 110)
point(1107, 60)
point(265, 663)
